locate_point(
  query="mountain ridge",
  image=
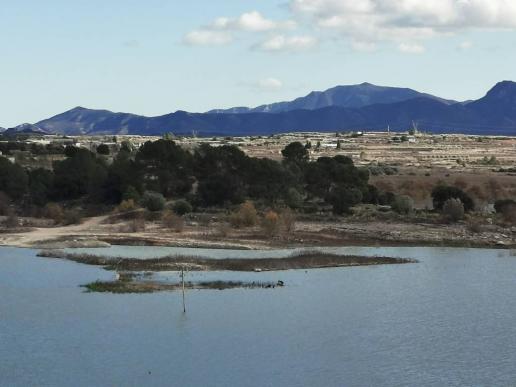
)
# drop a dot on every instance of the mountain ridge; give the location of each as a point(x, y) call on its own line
point(495, 113)
point(349, 96)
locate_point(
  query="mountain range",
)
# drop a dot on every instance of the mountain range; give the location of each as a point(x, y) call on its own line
point(342, 108)
point(351, 96)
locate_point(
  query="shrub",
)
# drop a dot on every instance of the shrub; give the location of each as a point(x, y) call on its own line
point(502, 205)
point(153, 201)
point(131, 193)
point(182, 207)
point(246, 216)
point(12, 220)
point(386, 198)
point(126, 206)
point(403, 204)
point(294, 199)
point(453, 209)
point(271, 224)
point(53, 211)
point(509, 213)
point(71, 217)
point(172, 221)
point(288, 219)
point(442, 193)
point(223, 230)
point(4, 203)
point(137, 225)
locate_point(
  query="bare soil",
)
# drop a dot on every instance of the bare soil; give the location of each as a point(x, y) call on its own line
point(96, 232)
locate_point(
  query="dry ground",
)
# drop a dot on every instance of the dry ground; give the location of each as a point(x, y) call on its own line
point(96, 232)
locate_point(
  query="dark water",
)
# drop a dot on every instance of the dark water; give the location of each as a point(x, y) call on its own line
point(447, 321)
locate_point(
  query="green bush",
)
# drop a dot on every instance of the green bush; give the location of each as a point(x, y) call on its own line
point(153, 201)
point(182, 207)
point(294, 199)
point(442, 193)
point(403, 204)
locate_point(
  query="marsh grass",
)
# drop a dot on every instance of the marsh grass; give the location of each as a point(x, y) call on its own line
point(306, 259)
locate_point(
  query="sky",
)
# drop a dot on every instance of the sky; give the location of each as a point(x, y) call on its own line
point(154, 57)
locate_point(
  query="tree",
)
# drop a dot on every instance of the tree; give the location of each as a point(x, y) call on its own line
point(103, 149)
point(343, 198)
point(13, 179)
point(442, 193)
point(80, 174)
point(41, 186)
point(221, 188)
point(267, 179)
point(296, 152)
point(166, 167)
point(125, 179)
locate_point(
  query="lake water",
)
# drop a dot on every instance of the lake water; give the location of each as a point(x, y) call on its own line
point(449, 320)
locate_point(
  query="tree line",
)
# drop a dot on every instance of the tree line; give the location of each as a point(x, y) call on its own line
point(206, 177)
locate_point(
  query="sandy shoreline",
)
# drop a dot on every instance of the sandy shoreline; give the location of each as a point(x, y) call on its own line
point(96, 232)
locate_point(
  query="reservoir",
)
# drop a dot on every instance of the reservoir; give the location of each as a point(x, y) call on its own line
point(447, 320)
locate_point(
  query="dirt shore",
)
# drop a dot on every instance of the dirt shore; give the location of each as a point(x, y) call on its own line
point(96, 232)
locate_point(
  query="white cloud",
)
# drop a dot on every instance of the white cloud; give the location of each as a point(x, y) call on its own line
point(405, 20)
point(207, 38)
point(282, 43)
point(252, 21)
point(362, 23)
point(411, 48)
point(270, 84)
point(222, 29)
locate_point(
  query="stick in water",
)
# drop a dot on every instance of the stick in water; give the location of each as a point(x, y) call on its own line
point(183, 283)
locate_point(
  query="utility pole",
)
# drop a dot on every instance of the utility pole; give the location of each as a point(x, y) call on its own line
point(183, 284)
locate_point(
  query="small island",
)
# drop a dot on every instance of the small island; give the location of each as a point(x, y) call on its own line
point(133, 275)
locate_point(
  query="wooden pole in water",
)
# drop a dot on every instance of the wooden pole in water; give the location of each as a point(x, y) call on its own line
point(183, 283)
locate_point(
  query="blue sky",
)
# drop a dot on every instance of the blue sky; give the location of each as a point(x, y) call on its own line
point(157, 56)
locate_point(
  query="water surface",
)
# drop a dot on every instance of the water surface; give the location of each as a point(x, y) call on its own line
point(448, 320)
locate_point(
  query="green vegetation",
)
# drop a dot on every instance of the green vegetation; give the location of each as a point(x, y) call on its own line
point(223, 177)
point(442, 193)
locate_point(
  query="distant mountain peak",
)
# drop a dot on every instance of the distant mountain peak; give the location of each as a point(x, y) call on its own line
point(502, 90)
point(345, 96)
